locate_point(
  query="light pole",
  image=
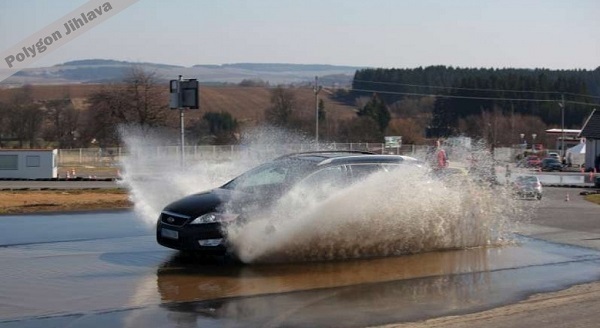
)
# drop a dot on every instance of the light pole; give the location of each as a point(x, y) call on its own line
point(317, 88)
point(522, 135)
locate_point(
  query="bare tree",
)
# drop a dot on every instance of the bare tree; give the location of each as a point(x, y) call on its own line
point(24, 117)
point(496, 128)
point(63, 121)
point(3, 123)
point(283, 102)
point(140, 100)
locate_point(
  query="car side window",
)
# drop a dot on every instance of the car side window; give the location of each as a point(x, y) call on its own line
point(323, 183)
point(361, 171)
point(390, 167)
point(331, 176)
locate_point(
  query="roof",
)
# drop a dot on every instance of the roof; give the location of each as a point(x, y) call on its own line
point(367, 159)
point(317, 156)
point(341, 157)
point(560, 131)
point(591, 127)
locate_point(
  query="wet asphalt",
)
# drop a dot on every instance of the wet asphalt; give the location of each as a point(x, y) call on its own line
point(104, 269)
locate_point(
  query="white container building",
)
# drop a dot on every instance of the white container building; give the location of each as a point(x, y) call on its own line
point(28, 163)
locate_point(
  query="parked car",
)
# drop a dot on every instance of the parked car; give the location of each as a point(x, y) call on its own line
point(551, 164)
point(532, 161)
point(197, 222)
point(555, 155)
point(528, 186)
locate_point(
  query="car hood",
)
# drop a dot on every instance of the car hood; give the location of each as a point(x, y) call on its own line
point(220, 200)
point(201, 203)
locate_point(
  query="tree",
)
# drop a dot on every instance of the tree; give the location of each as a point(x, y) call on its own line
point(139, 100)
point(3, 122)
point(322, 113)
point(253, 83)
point(222, 126)
point(63, 121)
point(377, 110)
point(24, 117)
point(283, 102)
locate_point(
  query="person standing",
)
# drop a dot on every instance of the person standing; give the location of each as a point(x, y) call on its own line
point(442, 158)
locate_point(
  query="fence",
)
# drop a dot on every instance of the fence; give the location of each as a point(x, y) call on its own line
point(99, 157)
point(112, 156)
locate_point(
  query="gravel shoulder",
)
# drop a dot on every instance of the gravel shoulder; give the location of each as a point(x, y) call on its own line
point(574, 307)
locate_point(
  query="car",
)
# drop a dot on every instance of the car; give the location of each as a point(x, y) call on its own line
point(196, 223)
point(532, 161)
point(551, 164)
point(554, 155)
point(527, 186)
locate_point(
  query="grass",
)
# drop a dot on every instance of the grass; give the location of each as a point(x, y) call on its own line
point(34, 201)
point(594, 198)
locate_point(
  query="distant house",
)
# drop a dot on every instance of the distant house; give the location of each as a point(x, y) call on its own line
point(28, 164)
point(591, 133)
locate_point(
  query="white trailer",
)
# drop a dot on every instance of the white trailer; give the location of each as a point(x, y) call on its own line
point(28, 164)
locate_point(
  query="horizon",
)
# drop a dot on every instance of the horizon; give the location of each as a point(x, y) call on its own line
point(318, 64)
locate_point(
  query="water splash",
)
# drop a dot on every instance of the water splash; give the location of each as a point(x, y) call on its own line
point(407, 210)
point(390, 213)
point(153, 174)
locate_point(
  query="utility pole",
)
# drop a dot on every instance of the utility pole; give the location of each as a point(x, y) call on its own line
point(562, 126)
point(317, 88)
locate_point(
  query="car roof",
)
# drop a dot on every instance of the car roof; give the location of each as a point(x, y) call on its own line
point(346, 157)
point(527, 177)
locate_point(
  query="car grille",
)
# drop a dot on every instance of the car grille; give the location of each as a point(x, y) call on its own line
point(173, 219)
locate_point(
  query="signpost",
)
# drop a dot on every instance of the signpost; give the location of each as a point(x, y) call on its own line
point(393, 142)
point(183, 94)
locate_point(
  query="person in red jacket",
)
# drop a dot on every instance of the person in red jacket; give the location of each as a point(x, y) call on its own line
point(442, 158)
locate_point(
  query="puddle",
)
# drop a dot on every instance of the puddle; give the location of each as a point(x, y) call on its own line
point(180, 292)
point(371, 292)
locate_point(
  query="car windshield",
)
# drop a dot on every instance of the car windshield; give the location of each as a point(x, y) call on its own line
point(274, 175)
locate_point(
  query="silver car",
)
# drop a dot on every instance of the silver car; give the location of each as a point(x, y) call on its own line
point(528, 186)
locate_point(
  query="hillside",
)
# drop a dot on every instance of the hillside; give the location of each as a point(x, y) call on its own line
point(246, 104)
point(103, 70)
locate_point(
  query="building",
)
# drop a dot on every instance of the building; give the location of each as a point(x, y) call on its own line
point(591, 133)
point(28, 164)
point(571, 138)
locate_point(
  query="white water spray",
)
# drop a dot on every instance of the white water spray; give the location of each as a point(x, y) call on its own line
point(389, 213)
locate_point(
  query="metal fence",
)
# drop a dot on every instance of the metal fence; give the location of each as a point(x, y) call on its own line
point(112, 156)
point(99, 157)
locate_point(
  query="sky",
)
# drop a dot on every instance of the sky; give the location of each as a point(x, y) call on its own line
point(554, 34)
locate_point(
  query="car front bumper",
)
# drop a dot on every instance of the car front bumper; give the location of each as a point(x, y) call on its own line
point(203, 238)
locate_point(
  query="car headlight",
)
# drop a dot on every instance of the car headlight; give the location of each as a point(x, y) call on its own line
point(214, 217)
